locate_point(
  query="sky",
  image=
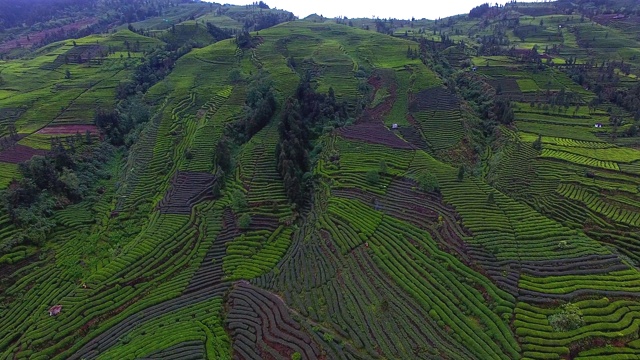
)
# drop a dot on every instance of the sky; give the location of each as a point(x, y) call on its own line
point(399, 9)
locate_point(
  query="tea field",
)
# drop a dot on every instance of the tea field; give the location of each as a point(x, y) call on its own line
point(433, 229)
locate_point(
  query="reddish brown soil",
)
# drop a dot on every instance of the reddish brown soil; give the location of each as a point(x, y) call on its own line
point(19, 153)
point(606, 19)
point(412, 120)
point(462, 153)
point(369, 126)
point(435, 99)
point(377, 113)
point(267, 316)
point(68, 129)
point(187, 188)
point(375, 133)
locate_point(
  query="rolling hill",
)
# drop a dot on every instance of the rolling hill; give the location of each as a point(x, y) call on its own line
point(229, 182)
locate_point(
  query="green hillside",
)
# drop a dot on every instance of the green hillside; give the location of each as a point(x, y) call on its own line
point(229, 182)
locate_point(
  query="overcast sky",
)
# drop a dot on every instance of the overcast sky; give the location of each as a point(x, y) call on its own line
point(399, 9)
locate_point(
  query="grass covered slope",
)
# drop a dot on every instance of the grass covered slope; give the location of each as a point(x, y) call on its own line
point(429, 232)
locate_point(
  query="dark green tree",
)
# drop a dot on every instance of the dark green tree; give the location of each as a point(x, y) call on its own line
point(223, 154)
point(461, 173)
point(244, 222)
point(238, 201)
point(568, 318)
point(373, 177)
point(503, 111)
point(383, 167)
point(537, 144)
point(292, 151)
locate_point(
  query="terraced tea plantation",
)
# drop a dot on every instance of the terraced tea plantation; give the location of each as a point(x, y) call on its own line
point(461, 198)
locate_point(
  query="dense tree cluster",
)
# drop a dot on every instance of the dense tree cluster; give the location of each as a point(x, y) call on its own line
point(493, 44)
point(604, 79)
point(152, 69)
point(430, 53)
point(223, 154)
point(293, 151)
point(260, 106)
point(267, 20)
point(218, 33)
point(319, 109)
point(158, 63)
point(479, 95)
point(261, 18)
point(384, 27)
point(184, 37)
point(596, 7)
point(44, 14)
point(244, 40)
point(502, 112)
point(63, 176)
point(491, 109)
point(479, 11)
point(16, 13)
point(118, 123)
point(138, 10)
point(303, 117)
point(627, 98)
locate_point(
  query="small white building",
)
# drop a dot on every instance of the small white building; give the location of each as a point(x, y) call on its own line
point(394, 126)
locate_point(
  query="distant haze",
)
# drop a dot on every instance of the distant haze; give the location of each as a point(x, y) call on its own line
point(399, 9)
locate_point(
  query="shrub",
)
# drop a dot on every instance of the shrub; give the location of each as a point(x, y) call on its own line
point(538, 143)
point(428, 182)
point(215, 190)
point(296, 356)
point(238, 201)
point(461, 173)
point(503, 111)
point(244, 222)
point(373, 177)
point(125, 339)
point(569, 318)
point(383, 167)
point(235, 76)
point(223, 154)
